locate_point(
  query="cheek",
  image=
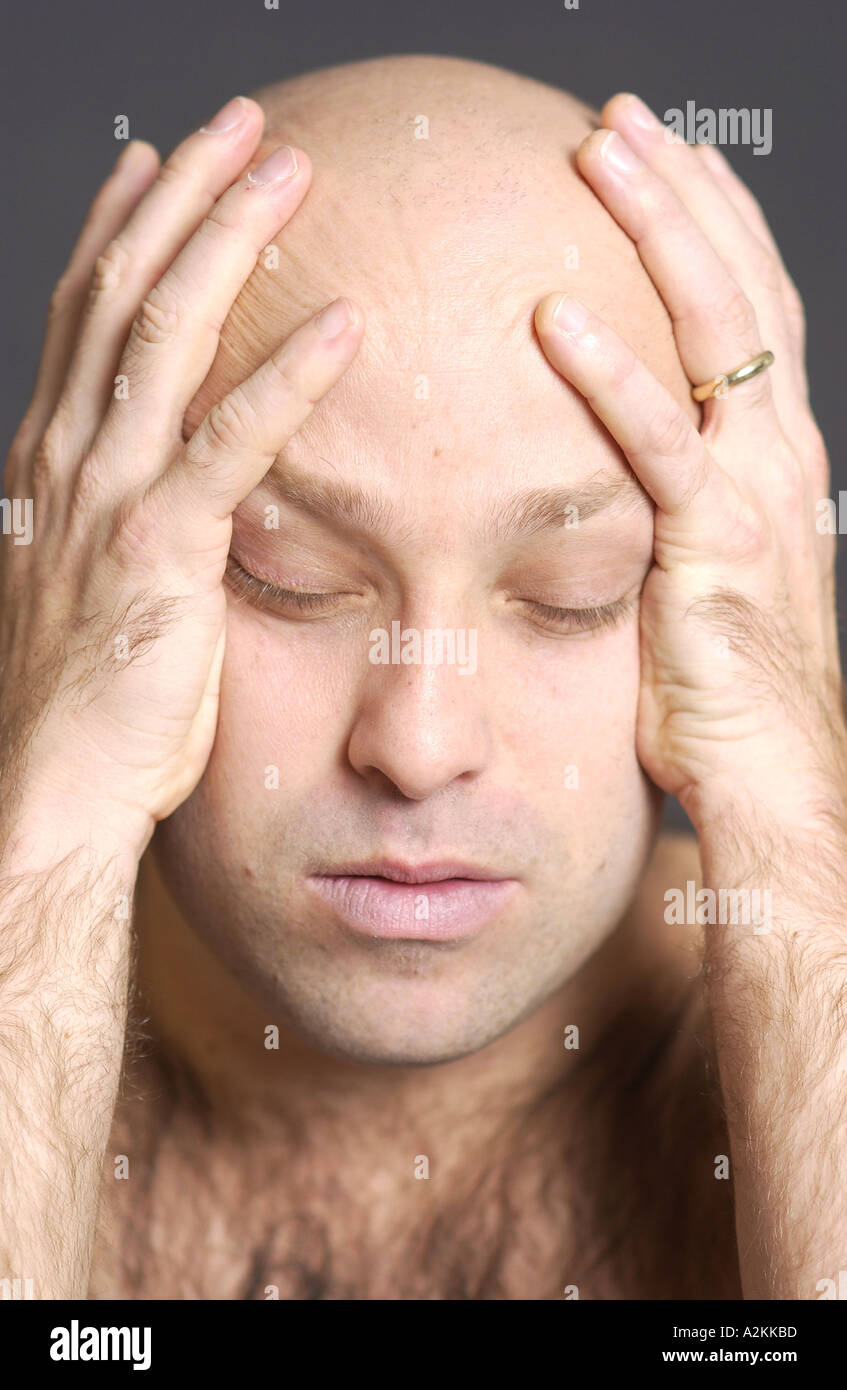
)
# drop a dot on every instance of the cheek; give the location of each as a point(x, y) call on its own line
point(283, 694)
point(569, 717)
point(574, 759)
point(279, 704)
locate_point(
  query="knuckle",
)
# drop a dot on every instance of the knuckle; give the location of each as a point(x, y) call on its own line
point(110, 269)
point(92, 485)
point(158, 318)
point(285, 368)
point(662, 209)
point(667, 434)
point(48, 458)
point(220, 223)
point(698, 476)
point(735, 314)
point(133, 535)
point(175, 171)
point(181, 172)
point(230, 424)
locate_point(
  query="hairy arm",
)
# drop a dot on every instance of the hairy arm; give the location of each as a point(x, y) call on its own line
point(64, 954)
point(778, 995)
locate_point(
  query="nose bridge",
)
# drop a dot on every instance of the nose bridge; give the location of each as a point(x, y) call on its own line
point(421, 721)
point(430, 648)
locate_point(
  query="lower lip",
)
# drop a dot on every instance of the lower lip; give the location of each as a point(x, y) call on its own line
point(448, 910)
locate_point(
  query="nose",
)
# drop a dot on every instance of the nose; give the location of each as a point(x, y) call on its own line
point(420, 726)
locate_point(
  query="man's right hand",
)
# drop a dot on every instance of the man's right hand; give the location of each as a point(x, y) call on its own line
point(112, 622)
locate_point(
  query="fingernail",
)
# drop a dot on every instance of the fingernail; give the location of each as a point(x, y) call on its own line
point(334, 318)
point(616, 152)
point(279, 165)
point(569, 315)
point(640, 114)
point(229, 116)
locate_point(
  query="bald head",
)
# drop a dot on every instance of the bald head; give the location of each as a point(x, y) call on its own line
point(445, 200)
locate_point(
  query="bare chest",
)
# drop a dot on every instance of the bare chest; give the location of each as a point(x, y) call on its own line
point(196, 1230)
point(626, 1203)
point(198, 1235)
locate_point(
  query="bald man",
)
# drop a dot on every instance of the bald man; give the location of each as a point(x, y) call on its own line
point(386, 566)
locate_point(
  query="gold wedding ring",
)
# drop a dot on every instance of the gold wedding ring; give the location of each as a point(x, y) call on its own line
point(720, 385)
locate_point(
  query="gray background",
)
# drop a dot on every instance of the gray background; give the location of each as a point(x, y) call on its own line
point(168, 65)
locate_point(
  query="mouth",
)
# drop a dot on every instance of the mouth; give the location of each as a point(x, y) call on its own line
point(393, 900)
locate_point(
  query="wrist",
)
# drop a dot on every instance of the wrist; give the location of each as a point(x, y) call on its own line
point(781, 860)
point(41, 832)
point(777, 792)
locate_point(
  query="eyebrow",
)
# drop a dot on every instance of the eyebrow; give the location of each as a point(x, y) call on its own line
point(525, 514)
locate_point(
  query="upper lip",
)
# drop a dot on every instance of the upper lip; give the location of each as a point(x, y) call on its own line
point(400, 872)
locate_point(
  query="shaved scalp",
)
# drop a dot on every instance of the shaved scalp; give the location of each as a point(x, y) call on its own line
point(445, 200)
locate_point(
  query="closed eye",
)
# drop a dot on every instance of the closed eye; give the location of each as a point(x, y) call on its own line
point(265, 595)
point(565, 621)
point(301, 602)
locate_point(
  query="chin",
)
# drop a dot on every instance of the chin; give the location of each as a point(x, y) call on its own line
point(382, 1047)
point(413, 1021)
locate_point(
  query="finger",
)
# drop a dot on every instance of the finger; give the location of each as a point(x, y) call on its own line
point(741, 238)
point(748, 208)
point(176, 332)
point(714, 322)
point(665, 451)
point(129, 180)
point(237, 441)
point(189, 183)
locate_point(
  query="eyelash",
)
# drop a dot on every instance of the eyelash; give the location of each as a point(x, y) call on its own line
point(584, 619)
point(259, 591)
point(247, 586)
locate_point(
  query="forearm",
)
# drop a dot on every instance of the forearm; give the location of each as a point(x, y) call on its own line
point(64, 953)
point(778, 996)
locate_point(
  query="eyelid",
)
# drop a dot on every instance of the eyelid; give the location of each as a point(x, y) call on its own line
point(588, 619)
point(249, 586)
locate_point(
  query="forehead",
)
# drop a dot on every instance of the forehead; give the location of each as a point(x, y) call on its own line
point(450, 382)
point(471, 414)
